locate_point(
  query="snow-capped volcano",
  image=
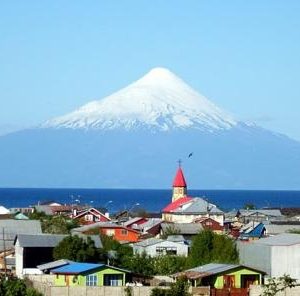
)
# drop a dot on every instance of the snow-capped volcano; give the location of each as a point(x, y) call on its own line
point(158, 101)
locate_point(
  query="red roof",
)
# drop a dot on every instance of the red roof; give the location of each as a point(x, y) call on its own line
point(177, 203)
point(179, 180)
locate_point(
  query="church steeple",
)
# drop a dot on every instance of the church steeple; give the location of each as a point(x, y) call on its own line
point(179, 184)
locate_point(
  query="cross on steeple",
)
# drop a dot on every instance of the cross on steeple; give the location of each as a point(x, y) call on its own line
point(179, 162)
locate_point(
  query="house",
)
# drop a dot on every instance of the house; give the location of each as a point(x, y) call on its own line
point(223, 276)
point(211, 224)
point(118, 232)
point(186, 209)
point(278, 227)
point(89, 216)
point(157, 247)
point(11, 227)
point(276, 255)
point(135, 222)
point(34, 250)
point(252, 230)
point(259, 215)
point(146, 226)
point(89, 274)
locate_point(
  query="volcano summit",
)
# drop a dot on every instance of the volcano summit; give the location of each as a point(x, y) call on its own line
point(133, 138)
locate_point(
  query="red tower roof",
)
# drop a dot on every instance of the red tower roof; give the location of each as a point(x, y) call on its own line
point(179, 180)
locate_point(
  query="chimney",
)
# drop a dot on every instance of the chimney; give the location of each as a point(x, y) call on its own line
point(106, 215)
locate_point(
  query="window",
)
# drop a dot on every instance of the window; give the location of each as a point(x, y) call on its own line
point(113, 280)
point(166, 250)
point(88, 217)
point(124, 232)
point(91, 280)
point(110, 232)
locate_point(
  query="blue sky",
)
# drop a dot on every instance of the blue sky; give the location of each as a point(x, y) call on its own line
point(58, 55)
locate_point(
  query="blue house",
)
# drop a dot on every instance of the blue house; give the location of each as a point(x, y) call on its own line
point(252, 231)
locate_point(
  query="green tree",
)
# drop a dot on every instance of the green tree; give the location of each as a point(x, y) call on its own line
point(169, 264)
point(275, 285)
point(249, 206)
point(210, 247)
point(76, 249)
point(170, 230)
point(54, 224)
point(13, 286)
point(141, 264)
point(179, 288)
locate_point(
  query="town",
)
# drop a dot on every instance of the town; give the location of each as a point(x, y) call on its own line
point(192, 246)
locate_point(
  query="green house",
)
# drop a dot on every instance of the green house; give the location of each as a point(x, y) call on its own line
point(221, 276)
point(88, 274)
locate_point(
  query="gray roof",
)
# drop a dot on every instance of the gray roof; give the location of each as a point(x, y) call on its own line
point(284, 239)
point(132, 221)
point(198, 205)
point(183, 228)
point(13, 227)
point(54, 264)
point(39, 240)
point(176, 238)
point(264, 212)
point(214, 268)
point(94, 225)
point(280, 228)
point(148, 242)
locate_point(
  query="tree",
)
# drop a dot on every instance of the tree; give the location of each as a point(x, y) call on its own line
point(54, 224)
point(179, 288)
point(210, 247)
point(168, 264)
point(249, 206)
point(13, 286)
point(275, 285)
point(76, 249)
point(170, 230)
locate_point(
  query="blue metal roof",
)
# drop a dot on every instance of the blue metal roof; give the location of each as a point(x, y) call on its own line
point(77, 268)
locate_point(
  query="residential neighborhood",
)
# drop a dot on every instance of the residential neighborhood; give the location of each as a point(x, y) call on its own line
point(247, 246)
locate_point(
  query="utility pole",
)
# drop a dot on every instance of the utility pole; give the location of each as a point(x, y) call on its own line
point(4, 253)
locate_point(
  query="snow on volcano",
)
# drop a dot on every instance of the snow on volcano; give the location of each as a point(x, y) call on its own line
point(159, 101)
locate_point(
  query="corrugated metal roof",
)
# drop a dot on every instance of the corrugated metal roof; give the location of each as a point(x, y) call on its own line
point(13, 227)
point(77, 268)
point(265, 212)
point(272, 229)
point(54, 264)
point(214, 268)
point(199, 205)
point(183, 228)
point(284, 239)
point(149, 242)
point(176, 238)
point(40, 240)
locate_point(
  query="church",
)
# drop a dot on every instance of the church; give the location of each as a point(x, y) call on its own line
point(187, 209)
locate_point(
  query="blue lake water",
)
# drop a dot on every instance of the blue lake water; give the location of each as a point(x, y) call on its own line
point(151, 200)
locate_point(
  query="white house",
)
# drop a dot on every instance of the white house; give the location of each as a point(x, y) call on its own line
point(156, 247)
point(276, 255)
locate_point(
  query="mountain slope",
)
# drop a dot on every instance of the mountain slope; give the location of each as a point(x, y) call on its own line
point(133, 138)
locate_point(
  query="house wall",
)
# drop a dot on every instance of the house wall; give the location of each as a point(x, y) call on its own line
point(182, 249)
point(131, 236)
point(189, 218)
point(219, 284)
point(255, 255)
point(285, 260)
point(19, 260)
point(80, 280)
